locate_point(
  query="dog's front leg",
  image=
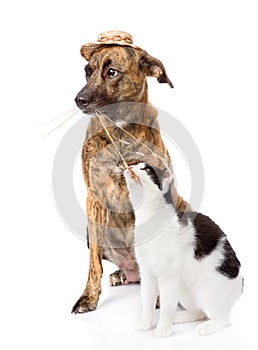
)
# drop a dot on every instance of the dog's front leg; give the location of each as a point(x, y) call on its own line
point(90, 297)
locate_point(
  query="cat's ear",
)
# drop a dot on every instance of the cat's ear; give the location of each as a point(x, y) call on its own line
point(154, 68)
point(167, 178)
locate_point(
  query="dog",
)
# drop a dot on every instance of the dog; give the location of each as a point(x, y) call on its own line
point(116, 96)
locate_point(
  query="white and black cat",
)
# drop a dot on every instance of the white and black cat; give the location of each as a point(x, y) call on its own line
point(185, 259)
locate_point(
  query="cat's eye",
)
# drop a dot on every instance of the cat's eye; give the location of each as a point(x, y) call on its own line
point(147, 169)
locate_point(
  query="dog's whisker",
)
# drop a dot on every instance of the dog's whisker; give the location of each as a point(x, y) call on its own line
point(59, 116)
point(63, 122)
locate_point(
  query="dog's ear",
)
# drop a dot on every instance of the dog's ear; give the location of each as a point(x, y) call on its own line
point(154, 68)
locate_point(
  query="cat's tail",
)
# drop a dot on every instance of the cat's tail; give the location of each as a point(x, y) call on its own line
point(188, 316)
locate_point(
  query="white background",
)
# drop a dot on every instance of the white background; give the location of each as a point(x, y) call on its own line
point(210, 51)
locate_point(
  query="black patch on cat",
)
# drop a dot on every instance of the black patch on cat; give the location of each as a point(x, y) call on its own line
point(207, 235)
point(153, 173)
point(168, 198)
point(230, 265)
point(184, 217)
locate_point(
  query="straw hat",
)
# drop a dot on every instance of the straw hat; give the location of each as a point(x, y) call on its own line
point(112, 37)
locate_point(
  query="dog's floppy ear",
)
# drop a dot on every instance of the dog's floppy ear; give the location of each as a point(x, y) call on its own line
point(154, 68)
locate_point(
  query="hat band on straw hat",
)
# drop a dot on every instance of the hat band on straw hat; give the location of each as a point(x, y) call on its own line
point(112, 37)
point(115, 36)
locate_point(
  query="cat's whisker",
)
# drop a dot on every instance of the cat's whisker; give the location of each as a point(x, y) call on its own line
point(63, 122)
point(59, 116)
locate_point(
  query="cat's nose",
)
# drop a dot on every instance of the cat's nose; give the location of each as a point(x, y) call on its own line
point(127, 172)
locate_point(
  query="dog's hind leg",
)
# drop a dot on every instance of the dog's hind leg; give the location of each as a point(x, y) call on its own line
point(117, 278)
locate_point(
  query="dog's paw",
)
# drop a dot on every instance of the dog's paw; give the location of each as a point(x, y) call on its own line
point(143, 325)
point(163, 332)
point(85, 303)
point(117, 278)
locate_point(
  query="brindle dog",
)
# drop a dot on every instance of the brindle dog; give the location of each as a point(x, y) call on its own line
point(117, 88)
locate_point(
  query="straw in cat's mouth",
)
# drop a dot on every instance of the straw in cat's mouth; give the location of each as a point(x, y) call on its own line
point(134, 176)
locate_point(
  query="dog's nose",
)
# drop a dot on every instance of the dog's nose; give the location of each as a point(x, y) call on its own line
point(81, 101)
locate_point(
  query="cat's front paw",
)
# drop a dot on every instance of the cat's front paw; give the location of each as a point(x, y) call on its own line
point(163, 332)
point(143, 325)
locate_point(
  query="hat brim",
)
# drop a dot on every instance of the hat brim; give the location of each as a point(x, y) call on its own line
point(88, 50)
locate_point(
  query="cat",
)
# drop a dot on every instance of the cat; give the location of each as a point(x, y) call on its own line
point(184, 259)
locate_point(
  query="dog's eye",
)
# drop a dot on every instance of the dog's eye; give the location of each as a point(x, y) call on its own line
point(88, 71)
point(112, 73)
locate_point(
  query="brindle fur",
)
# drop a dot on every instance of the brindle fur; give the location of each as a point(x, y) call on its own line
point(110, 215)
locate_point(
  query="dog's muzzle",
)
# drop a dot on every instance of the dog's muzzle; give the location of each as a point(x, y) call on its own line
point(82, 102)
point(86, 101)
